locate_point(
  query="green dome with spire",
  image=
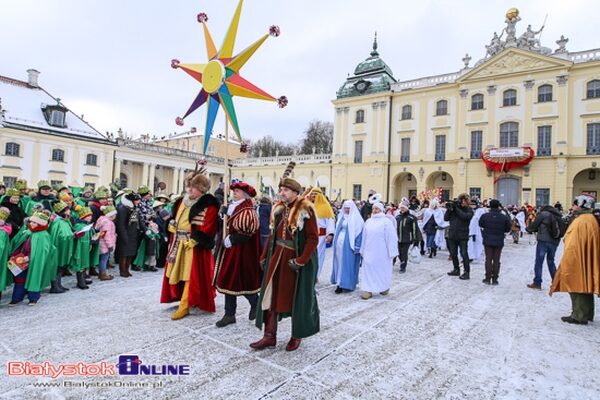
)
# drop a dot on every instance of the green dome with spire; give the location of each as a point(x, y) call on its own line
point(370, 76)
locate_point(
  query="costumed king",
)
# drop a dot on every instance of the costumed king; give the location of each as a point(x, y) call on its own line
point(291, 264)
point(238, 270)
point(190, 262)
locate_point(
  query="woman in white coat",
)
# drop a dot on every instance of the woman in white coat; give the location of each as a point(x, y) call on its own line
point(378, 248)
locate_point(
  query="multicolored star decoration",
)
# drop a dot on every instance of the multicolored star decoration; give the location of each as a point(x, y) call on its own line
point(221, 79)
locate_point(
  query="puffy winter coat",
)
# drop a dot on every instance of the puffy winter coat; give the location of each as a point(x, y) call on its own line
point(459, 219)
point(495, 225)
point(541, 224)
point(109, 241)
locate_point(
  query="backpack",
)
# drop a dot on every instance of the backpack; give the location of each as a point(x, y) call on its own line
point(557, 227)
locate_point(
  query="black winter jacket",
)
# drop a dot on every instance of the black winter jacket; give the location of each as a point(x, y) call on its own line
point(541, 224)
point(460, 219)
point(408, 229)
point(494, 224)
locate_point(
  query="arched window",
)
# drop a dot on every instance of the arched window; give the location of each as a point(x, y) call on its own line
point(12, 149)
point(91, 159)
point(441, 107)
point(510, 98)
point(360, 116)
point(407, 112)
point(123, 180)
point(544, 93)
point(477, 102)
point(593, 89)
point(509, 134)
point(58, 155)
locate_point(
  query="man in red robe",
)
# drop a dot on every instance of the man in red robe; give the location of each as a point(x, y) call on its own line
point(190, 263)
point(238, 269)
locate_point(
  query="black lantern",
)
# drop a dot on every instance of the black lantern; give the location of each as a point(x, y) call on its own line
point(592, 174)
point(444, 177)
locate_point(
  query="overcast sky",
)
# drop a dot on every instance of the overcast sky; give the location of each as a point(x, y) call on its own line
point(110, 59)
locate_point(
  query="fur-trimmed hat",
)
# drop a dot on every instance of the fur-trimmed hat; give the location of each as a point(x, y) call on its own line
point(40, 218)
point(198, 180)
point(288, 182)
point(250, 191)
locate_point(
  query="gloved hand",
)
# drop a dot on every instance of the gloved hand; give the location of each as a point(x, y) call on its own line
point(227, 242)
point(293, 265)
point(190, 244)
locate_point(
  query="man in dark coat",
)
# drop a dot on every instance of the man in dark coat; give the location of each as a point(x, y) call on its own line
point(264, 213)
point(459, 214)
point(127, 232)
point(291, 265)
point(546, 244)
point(495, 225)
point(408, 233)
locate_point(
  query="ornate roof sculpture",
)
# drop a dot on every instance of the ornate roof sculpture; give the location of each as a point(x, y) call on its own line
point(370, 76)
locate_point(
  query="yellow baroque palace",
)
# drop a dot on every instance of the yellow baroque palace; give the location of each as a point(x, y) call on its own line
point(401, 138)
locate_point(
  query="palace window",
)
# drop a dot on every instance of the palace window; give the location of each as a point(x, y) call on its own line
point(358, 151)
point(440, 148)
point(542, 197)
point(477, 102)
point(476, 144)
point(593, 89)
point(91, 159)
point(91, 184)
point(357, 192)
point(441, 107)
point(12, 149)
point(9, 181)
point(405, 150)
point(123, 180)
point(544, 140)
point(58, 155)
point(475, 192)
point(407, 112)
point(509, 134)
point(509, 98)
point(360, 116)
point(54, 183)
point(593, 139)
point(544, 93)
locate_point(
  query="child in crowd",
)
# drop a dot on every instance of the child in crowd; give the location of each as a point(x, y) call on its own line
point(105, 226)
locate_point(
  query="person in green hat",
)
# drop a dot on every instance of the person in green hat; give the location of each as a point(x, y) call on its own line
point(61, 233)
point(44, 195)
point(17, 215)
point(85, 252)
point(85, 196)
point(21, 186)
point(6, 278)
point(100, 200)
point(36, 257)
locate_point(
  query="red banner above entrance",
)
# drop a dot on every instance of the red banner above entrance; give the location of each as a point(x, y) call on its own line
point(506, 158)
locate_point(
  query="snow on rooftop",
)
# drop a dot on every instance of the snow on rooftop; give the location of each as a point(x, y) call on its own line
point(22, 105)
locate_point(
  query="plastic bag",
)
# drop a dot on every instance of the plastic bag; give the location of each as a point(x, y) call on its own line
point(414, 255)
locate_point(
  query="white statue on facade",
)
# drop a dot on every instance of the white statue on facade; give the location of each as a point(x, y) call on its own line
point(511, 27)
point(496, 45)
point(528, 39)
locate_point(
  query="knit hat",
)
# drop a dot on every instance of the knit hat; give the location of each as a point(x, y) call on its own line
point(66, 197)
point(85, 212)
point(4, 213)
point(380, 206)
point(59, 206)
point(40, 218)
point(43, 184)
point(584, 201)
point(13, 192)
point(288, 182)
point(143, 190)
point(21, 184)
point(109, 211)
point(404, 204)
point(100, 194)
point(164, 214)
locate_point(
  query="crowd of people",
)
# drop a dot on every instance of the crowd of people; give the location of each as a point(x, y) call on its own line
point(273, 253)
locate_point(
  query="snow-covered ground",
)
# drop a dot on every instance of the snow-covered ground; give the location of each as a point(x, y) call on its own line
point(433, 336)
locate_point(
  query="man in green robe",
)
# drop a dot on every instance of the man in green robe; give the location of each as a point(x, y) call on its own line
point(61, 232)
point(290, 268)
point(38, 252)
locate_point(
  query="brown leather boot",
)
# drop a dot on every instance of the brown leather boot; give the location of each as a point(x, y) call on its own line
point(92, 271)
point(270, 336)
point(124, 267)
point(293, 344)
point(104, 276)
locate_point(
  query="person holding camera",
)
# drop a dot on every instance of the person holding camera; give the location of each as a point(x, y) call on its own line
point(459, 214)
